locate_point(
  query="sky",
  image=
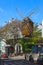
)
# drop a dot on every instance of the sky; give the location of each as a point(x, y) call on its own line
point(18, 9)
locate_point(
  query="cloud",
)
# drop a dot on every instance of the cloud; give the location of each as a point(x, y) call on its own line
point(1, 10)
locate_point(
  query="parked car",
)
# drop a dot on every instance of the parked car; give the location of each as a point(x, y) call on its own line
point(40, 59)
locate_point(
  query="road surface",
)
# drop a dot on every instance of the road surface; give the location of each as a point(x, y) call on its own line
point(15, 62)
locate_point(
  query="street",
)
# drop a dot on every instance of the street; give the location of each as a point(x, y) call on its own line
point(15, 62)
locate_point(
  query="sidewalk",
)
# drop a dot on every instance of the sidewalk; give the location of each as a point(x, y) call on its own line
point(17, 57)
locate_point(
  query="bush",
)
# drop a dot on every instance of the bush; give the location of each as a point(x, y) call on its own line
point(9, 41)
point(26, 42)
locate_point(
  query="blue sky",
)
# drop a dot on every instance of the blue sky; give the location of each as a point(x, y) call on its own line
point(8, 10)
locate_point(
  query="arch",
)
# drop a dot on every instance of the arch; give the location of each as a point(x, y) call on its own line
point(18, 48)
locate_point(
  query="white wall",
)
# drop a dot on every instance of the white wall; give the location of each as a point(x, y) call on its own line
point(3, 44)
point(42, 28)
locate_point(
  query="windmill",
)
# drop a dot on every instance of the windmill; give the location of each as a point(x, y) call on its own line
point(26, 20)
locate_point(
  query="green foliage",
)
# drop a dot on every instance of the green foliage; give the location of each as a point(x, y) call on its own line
point(36, 31)
point(27, 50)
point(26, 42)
point(9, 41)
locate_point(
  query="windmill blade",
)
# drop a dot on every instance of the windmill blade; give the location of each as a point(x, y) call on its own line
point(20, 14)
point(33, 11)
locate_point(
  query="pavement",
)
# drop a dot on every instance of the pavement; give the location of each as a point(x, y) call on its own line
point(16, 60)
point(17, 57)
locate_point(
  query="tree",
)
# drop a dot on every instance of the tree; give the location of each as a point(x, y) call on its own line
point(36, 31)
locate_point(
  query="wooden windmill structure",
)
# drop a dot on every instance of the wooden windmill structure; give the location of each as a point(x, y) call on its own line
point(26, 24)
